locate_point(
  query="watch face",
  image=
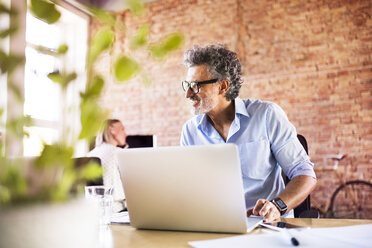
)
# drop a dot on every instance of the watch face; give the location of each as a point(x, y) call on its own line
point(280, 203)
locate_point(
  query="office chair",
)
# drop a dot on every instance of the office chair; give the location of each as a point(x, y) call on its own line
point(303, 210)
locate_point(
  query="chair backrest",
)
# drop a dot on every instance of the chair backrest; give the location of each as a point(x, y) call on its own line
point(82, 161)
point(305, 205)
point(303, 142)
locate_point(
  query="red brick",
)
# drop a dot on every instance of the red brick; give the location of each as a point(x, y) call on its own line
point(312, 58)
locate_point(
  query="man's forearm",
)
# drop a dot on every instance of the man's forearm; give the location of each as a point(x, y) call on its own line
point(297, 190)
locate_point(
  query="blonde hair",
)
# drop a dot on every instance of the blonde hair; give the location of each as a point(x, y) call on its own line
point(103, 135)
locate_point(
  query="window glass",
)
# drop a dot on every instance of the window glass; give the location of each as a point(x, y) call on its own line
point(45, 101)
point(38, 136)
point(41, 33)
point(42, 96)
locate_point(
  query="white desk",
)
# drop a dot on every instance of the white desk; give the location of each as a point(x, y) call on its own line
point(127, 236)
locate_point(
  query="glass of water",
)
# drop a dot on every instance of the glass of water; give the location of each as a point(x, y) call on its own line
point(103, 196)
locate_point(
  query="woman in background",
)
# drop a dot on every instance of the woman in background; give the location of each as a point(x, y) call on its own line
point(107, 142)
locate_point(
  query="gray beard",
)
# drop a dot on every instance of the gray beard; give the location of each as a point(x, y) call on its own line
point(204, 107)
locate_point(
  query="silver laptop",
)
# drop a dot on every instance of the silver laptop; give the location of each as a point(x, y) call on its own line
point(193, 188)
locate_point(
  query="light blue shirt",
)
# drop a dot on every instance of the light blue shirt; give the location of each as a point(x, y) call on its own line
point(267, 143)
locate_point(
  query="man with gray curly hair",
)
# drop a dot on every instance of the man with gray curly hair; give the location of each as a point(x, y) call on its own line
point(266, 140)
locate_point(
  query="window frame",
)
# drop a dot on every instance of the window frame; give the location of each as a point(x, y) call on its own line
point(12, 108)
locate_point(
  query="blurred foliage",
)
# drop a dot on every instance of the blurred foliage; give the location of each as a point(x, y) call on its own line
point(13, 26)
point(13, 185)
point(93, 89)
point(62, 79)
point(90, 171)
point(55, 155)
point(136, 6)
point(17, 92)
point(140, 39)
point(168, 44)
point(104, 17)
point(16, 126)
point(100, 42)
point(126, 68)
point(45, 11)
point(62, 49)
point(8, 62)
point(91, 117)
point(53, 174)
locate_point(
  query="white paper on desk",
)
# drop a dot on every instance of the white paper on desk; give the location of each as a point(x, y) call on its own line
point(120, 218)
point(341, 237)
point(357, 236)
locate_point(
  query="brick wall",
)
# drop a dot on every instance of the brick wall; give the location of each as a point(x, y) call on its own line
point(312, 57)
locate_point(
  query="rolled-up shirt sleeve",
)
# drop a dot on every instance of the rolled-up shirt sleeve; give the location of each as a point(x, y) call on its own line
point(286, 147)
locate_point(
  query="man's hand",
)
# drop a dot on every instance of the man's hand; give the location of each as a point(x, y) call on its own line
point(266, 209)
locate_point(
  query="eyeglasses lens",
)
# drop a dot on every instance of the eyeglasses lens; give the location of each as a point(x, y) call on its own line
point(192, 85)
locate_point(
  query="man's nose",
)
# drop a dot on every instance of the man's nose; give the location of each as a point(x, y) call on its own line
point(189, 93)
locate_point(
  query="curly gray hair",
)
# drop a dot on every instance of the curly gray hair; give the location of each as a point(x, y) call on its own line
point(222, 64)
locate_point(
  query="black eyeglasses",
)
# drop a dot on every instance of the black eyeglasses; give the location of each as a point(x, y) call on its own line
point(194, 86)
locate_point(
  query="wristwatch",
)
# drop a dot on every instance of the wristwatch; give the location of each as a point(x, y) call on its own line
point(280, 205)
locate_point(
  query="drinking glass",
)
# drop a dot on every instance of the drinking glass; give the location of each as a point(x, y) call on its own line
point(103, 196)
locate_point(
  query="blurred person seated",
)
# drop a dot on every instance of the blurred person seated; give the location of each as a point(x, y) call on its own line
point(111, 138)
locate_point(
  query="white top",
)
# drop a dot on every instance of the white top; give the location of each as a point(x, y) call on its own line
point(111, 176)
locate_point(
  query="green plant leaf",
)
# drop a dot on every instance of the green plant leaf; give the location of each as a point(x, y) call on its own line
point(5, 10)
point(100, 42)
point(56, 77)
point(9, 62)
point(5, 195)
point(6, 32)
point(104, 16)
point(13, 23)
point(70, 77)
point(90, 118)
point(140, 39)
point(94, 88)
point(45, 11)
point(45, 50)
point(54, 156)
point(136, 6)
point(15, 89)
point(126, 68)
point(62, 49)
point(62, 190)
point(168, 44)
point(15, 126)
point(91, 171)
point(62, 79)
point(13, 183)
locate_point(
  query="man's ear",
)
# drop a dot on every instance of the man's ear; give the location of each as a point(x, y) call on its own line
point(224, 86)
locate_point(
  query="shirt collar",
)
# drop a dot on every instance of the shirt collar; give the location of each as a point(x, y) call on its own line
point(203, 123)
point(240, 107)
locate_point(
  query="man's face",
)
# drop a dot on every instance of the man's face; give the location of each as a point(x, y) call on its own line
point(118, 133)
point(206, 99)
